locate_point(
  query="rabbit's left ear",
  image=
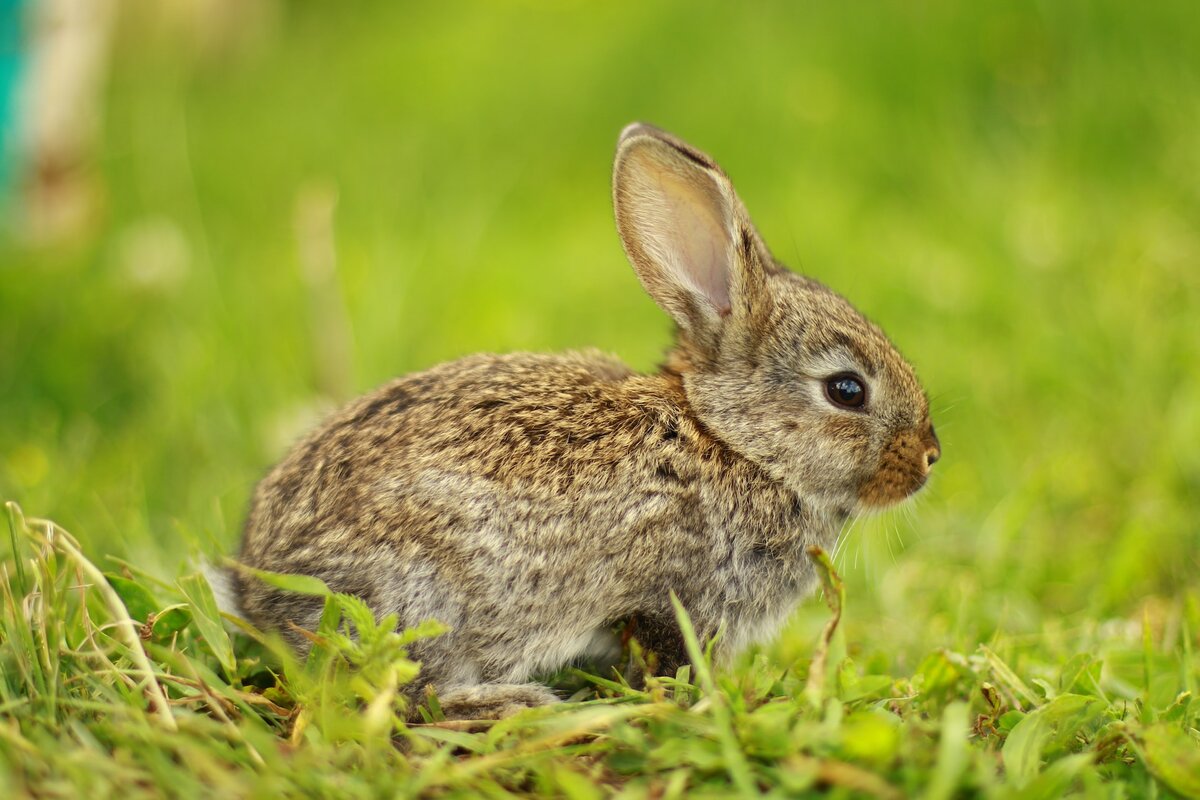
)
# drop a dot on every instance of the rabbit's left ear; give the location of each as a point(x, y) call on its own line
point(684, 230)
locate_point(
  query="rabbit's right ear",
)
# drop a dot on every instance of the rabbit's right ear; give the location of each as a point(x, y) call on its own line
point(685, 231)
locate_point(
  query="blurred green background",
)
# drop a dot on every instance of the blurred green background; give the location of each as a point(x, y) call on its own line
point(1012, 190)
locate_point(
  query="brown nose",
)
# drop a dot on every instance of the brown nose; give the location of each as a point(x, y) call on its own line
point(933, 449)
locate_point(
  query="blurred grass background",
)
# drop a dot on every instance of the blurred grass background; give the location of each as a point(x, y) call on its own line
point(1011, 190)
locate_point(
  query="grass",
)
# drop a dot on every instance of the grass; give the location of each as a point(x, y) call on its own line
point(1009, 191)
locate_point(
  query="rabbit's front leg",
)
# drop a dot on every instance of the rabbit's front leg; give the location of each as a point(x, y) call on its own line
point(662, 643)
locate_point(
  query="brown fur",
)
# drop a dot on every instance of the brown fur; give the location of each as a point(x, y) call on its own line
point(529, 502)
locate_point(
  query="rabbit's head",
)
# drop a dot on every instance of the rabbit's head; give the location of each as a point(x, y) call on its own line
point(777, 366)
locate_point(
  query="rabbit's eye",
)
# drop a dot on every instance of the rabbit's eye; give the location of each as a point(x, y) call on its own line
point(847, 391)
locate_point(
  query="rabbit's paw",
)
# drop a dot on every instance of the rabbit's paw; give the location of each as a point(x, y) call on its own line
point(493, 700)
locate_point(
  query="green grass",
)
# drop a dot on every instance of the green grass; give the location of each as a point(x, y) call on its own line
point(1010, 191)
point(120, 682)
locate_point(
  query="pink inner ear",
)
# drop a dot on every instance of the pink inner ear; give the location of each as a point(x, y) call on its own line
point(702, 254)
point(692, 239)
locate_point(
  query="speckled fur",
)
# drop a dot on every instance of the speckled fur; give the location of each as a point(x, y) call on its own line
point(529, 502)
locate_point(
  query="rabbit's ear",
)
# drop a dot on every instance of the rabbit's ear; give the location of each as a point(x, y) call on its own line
point(684, 230)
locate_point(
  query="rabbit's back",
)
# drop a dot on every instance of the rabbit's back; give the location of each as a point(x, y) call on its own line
point(453, 442)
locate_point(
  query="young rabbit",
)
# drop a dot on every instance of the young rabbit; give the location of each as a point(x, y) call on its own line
point(529, 502)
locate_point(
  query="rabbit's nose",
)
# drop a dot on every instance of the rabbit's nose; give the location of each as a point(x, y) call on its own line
point(933, 449)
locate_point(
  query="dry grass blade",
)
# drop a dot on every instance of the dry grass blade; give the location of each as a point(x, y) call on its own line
point(846, 776)
point(835, 597)
point(575, 726)
point(462, 725)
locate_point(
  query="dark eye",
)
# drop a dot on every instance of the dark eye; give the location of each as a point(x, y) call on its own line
point(847, 391)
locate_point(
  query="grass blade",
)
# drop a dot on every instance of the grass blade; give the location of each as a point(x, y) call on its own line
point(739, 768)
point(835, 597)
point(208, 619)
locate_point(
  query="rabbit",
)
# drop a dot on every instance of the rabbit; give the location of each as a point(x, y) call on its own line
point(533, 502)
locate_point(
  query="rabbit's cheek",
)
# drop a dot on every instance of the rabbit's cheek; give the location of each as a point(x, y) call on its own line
point(900, 472)
point(847, 441)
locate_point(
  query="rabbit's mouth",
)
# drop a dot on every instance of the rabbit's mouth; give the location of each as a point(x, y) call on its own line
point(903, 468)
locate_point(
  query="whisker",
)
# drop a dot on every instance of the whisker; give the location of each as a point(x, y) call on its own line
point(909, 511)
point(857, 552)
point(891, 523)
point(839, 549)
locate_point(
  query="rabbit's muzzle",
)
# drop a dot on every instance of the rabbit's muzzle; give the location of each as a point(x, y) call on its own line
point(903, 467)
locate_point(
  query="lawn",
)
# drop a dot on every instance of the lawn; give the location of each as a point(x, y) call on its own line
point(294, 202)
